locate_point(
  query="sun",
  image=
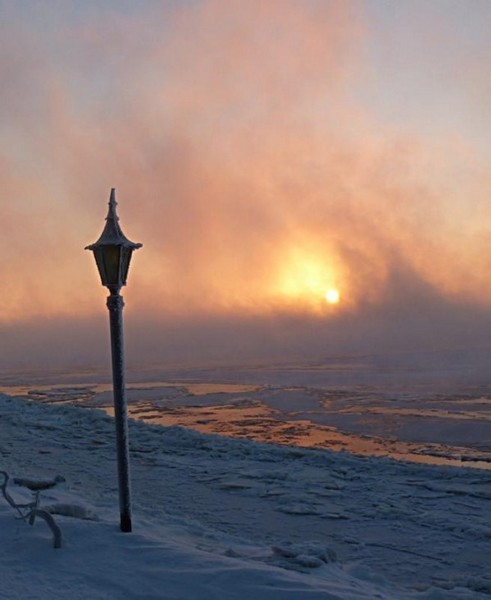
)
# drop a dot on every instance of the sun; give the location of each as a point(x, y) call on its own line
point(332, 296)
point(308, 281)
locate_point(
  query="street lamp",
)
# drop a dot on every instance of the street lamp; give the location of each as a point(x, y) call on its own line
point(112, 253)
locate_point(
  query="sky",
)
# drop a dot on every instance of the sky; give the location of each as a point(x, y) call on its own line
point(265, 154)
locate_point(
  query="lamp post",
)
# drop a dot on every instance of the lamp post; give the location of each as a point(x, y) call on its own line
point(112, 253)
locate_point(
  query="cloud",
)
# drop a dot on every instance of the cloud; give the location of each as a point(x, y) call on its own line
point(244, 161)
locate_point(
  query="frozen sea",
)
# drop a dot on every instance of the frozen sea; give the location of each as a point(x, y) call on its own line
point(431, 407)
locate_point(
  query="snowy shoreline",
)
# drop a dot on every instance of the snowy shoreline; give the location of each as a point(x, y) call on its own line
point(224, 518)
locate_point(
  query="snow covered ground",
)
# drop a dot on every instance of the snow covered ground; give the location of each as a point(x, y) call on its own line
point(226, 518)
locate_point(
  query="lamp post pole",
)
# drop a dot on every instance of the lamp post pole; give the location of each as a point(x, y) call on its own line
point(115, 305)
point(112, 253)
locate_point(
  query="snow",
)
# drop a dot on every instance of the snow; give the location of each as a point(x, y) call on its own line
point(227, 518)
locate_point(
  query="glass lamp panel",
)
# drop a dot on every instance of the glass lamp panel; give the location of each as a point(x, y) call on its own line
point(125, 263)
point(108, 259)
point(100, 264)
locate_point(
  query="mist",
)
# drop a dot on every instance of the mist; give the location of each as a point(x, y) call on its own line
point(254, 171)
point(416, 323)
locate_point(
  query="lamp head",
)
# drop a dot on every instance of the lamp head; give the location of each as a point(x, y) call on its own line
point(113, 250)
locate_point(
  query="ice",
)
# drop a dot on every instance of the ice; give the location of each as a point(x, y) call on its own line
point(398, 406)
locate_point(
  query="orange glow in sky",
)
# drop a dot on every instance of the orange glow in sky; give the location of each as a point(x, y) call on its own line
point(273, 157)
point(306, 280)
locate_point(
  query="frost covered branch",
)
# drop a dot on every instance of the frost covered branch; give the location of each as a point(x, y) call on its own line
point(20, 508)
point(44, 514)
point(31, 510)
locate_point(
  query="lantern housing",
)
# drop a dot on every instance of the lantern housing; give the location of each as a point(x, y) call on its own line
point(113, 250)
